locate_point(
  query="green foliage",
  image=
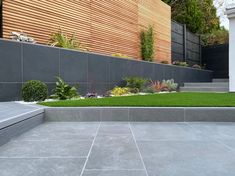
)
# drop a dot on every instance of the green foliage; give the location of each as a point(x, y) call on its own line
point(199, 15)
point(147, 44)
point(120, 55)
point(216, 37)
point(34, 90)
point(63, 91)
point(135, 84)
point(179, 63)
point(170, 84)
point(62, 40)
point(118, 91)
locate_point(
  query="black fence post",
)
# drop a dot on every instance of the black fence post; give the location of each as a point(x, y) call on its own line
point(200, 50)
point(185, 43)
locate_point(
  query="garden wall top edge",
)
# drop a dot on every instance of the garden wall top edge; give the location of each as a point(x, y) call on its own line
point(73, 50)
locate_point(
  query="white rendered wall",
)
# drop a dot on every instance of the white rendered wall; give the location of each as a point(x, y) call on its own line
point(232, 54)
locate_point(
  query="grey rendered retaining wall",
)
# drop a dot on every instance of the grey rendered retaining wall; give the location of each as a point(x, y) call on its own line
point(141, 114)
point(21, 62)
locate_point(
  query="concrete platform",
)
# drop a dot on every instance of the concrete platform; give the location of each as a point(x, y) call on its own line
point(16, 118)
point(121, 149)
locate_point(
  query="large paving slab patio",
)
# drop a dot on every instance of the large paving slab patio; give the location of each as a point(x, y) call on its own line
point(121, 149)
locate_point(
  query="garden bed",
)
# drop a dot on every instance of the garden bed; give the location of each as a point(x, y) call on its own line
point(154, 100)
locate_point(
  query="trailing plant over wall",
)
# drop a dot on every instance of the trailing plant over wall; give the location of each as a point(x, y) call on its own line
point(61, 39)
point(147, 44)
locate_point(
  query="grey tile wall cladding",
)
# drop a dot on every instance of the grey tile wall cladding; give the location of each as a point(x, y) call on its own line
point(20, 62)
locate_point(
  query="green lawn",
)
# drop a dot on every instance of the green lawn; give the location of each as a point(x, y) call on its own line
point(155, 100)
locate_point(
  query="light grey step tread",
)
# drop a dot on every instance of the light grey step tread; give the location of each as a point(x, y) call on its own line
point(218, 84)
point(201, 89)
point(220, 80)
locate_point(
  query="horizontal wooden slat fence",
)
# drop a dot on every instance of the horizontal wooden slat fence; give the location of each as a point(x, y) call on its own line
point(103, 26)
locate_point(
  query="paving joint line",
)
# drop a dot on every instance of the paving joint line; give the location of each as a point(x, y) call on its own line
point(88, 155)
point(138, 150)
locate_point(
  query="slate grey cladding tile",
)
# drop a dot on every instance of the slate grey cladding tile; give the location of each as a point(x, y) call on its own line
point(11, 62)
point(10, 91)
point(156, 115)
point(73, 65)
point(114, 114)
point(40, 63)
point(98, 68)
point(41, 166)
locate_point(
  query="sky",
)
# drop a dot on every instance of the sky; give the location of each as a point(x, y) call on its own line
point(220, 5)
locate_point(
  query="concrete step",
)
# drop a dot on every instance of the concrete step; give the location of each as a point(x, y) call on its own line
point(220, 80)
point(204, 89)
point(214, 84)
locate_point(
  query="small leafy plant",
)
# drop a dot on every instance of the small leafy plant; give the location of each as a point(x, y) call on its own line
point(147, 44)
point(118, 91)
point(34, 90)
point(61, 39)
point(170, 84)
point(158, 86)
point(135, 84)
point(179, 63)
point(196, 66)
point(164, 62)
point(63, 91)
point(120, 55)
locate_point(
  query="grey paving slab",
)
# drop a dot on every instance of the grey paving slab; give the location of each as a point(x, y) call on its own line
point(41, 148)
point(114, 128)
point(121, 149)
point(115, 152)
point(165, 131)
point(41, 166)
point(191, 158)
point(114, 173)
point(215, 131)
point(62, 131)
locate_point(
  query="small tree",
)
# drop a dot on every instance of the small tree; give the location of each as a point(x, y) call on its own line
point(147, 44)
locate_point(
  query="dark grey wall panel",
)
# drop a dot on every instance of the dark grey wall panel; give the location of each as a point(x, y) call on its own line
point(40, 63)
point(93, 72)
point(216, 58)
point(11, 62)
point(70, 63)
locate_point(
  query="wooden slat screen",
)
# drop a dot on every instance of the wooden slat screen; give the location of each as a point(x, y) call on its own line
point(103, 26)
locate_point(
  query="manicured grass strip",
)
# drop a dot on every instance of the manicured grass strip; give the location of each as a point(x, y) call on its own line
point(155, 100)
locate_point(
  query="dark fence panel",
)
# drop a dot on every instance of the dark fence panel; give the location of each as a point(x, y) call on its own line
point(20, 62)
point(186, 46)
point(216, 58)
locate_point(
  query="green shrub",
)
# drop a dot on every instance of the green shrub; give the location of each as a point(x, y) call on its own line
point(63, 91)
point(147, 44)
point(170, 84)
point(179, 63)
point(34, 90)
point(120, 55)
point(61, 39)
point(118, 91)
point(135, 84)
